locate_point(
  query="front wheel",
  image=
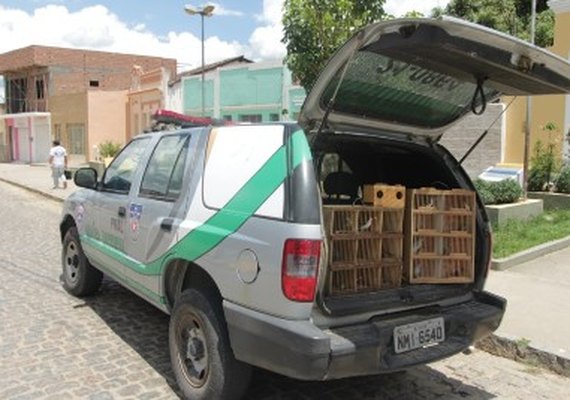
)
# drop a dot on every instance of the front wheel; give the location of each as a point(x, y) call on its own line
point(79, 277)
point(201, 356)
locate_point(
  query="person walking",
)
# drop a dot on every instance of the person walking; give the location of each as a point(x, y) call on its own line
point(58, 164)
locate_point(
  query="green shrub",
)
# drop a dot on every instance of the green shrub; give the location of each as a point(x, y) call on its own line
point(507, 191)
point(563, 182)
point(544, 163)
point(109, 149)
point(501, 192)
point(485, 192)
point(537, 180)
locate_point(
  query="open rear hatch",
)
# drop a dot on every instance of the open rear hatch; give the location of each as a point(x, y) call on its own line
point(406, 78)
point(418, 76)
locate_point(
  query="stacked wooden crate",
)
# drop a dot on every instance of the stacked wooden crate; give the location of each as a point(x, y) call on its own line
point(366, 244)
point(440, 236)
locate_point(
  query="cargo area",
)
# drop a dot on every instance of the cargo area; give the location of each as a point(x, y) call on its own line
point(400, 226)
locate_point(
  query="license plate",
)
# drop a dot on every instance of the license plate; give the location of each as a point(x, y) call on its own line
point(419, 334)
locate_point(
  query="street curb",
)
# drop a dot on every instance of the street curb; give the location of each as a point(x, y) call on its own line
point(521, 350)
point(502, 264)
point(40, 192)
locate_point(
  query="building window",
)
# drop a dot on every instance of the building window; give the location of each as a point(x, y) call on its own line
point(40, 92)
point(274, 117)
point(16, 95)
point(76, 136)
point(227, 117)
point(93, 83)
point(137, 129)
point(250, 118)
point(57, 132)
point(145, 121)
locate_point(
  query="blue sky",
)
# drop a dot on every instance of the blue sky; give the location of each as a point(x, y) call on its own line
point(158, 28)
point(161, 28)
point(237, 20)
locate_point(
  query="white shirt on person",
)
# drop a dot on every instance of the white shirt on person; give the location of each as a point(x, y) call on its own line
point(58, 153)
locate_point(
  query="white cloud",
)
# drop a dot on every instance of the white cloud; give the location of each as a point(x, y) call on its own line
point(265, 41)
point(399, 7)
point(98, 28)
point(221, 10)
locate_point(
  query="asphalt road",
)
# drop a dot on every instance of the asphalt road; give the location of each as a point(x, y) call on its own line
point(114, 345)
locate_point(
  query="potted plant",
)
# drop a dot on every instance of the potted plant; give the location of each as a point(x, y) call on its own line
point(108, 150)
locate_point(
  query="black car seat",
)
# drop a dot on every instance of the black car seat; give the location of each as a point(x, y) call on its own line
point(341, 188)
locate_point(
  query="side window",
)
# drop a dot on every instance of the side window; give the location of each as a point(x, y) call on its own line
point(244, 171)
point(119, 175)
point(165, 170)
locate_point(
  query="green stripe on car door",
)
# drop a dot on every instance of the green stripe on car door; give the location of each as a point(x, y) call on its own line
point(231, 217)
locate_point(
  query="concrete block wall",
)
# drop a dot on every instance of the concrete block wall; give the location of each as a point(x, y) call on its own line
point(459, 138)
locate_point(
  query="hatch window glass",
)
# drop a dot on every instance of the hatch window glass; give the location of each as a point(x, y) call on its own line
point(119, 175)
point(165, 170)
point(382, 87)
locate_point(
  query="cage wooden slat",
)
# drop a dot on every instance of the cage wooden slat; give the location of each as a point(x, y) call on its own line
point(440, 236)
point(364, 247)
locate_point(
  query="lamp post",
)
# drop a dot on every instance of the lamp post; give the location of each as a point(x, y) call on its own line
point(526, 153)
point(204, 11)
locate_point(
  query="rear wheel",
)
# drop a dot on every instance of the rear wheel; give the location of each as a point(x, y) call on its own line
point(79, 277)
point(200, 352)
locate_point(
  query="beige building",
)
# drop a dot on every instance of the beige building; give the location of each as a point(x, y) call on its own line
point(544, 109)
point(100, 113)
point(146, 95)
point(84, 91)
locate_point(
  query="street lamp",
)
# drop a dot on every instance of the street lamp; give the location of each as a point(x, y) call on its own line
point(526, 154)
point(204, 11)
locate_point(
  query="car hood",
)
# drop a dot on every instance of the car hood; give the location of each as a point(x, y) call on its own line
point(419, 76)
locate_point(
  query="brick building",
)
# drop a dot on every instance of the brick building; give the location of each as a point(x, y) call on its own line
point(83, 91)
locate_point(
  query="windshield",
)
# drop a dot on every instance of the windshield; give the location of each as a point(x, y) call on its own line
point(381, 87)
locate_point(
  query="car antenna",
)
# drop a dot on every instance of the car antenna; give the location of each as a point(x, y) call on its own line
point(474, 145)
point(332, 100)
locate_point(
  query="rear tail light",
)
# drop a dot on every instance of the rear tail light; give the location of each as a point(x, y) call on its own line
point(299, 269)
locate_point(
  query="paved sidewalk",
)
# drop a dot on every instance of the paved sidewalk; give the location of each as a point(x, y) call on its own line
point(538, 294)
point(35, 177)
point(538, 291)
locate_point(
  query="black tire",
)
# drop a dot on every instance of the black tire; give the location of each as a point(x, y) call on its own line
point(200, 352)
point(79, 277)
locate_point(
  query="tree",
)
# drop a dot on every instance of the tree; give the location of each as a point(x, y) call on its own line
point(315, 29)
point(509, 16)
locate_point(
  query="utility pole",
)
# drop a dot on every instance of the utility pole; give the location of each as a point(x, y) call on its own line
point(526, 156)
point(205, 11)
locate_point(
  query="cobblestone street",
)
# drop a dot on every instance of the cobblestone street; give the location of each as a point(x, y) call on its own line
point(115, 346)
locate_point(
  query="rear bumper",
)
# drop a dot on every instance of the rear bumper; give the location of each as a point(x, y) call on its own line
point(301, 350)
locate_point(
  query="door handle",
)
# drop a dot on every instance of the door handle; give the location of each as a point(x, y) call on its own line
point(122, 211)
point(166, 224)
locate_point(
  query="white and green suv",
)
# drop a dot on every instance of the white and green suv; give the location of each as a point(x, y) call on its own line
point(223, 227)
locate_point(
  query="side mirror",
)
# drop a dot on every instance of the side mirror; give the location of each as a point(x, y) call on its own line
point(85, 178)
